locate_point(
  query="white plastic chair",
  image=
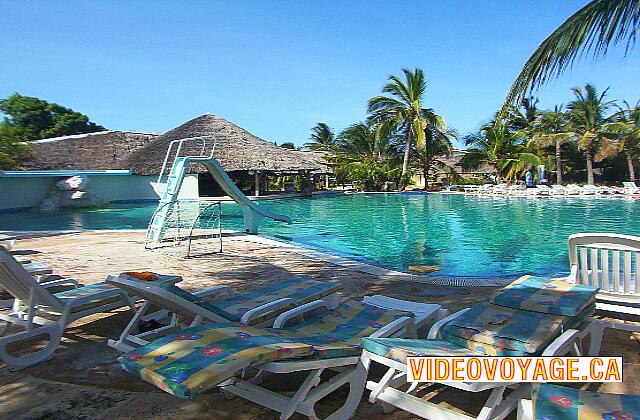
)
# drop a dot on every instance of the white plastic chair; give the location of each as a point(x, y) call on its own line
point(39, 312)
point(611, 262)
point(630, 188)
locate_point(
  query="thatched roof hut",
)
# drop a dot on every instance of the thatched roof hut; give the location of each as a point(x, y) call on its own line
point(236, 150)
point(91, 151)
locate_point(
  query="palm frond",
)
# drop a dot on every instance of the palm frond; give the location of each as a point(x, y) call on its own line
point(592, 29)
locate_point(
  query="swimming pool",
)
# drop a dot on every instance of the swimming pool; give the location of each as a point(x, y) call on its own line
point(464, 235)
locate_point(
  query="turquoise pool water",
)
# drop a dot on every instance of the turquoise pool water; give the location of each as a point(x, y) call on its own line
point(464, 235)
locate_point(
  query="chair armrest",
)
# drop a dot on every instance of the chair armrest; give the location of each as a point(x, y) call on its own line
point(58, 282)
point(525, 409)
point(98, 295)
point(573, 277)
point(393, 327)
point(219, 291)
point(435, 329)
point(559, 346)
point(263, 309)
point(300, 310)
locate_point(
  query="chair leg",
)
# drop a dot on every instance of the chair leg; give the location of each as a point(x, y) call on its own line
point(20, 362)
point(356, 378)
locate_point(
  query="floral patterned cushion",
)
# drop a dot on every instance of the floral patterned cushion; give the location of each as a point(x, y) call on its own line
point(400, 348)
point(338, 332)
point(507, 328)
point(300, 290)
point(548, 296)
point(562, 403)
point(193, 360)
point(196, 359)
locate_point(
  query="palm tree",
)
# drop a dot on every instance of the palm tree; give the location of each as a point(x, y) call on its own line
point(625, 131)
point(322, 138)
point(402, 109)
point(592, 29)
point(501, 149)
point(586, 114)
point(552, 129)
point(437, 145)
point(368, 155)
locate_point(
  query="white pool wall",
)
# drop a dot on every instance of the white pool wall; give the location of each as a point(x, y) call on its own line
point(26, 192)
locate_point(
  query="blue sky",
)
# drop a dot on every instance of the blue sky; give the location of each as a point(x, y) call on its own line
point(278, 67)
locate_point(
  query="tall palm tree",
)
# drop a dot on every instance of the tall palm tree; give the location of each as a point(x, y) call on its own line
point(403, 109)
point(625, 131)
point(322, 138)
point(552, 129)
point(592, 29)
point(437, 145)
point(501, 149)
point(587, 116)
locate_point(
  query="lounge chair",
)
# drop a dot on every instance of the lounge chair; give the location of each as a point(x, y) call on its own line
point(38, 311)
point(558, 190)
point(486, 189)
point(561, 402)
point(612, 263)
point(471, 189)
point(630, 188)
point(258, 307)
point(7, 241)
point(500, 189)
point(197, 359)
point(543, 190)
point(590, 190)
point(517, 190)
point(531, 317)
point(573, 189)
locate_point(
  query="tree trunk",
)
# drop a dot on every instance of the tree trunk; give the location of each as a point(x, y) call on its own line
point(558, 164)
point(426, 168)
point(587, 155)
point(407, 150)
point(632, 172)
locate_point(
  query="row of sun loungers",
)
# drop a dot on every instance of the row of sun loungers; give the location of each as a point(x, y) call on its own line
point(218, 339)
point(549, 191)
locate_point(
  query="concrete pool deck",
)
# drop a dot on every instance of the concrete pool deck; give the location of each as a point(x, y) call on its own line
point(84, 380)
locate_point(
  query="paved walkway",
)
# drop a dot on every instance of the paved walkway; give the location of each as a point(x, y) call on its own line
point(84, 380)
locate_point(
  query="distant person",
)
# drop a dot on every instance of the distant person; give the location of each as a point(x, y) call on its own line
point(528, 179)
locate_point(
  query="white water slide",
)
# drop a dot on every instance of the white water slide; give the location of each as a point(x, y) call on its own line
point(170, 189)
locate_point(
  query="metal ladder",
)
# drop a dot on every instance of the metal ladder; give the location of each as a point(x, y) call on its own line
point(171, 187)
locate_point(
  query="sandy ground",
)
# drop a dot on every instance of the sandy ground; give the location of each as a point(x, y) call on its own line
point(84, 380)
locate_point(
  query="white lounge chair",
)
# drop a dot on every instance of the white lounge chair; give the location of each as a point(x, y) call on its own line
point(222, 304)
point(500, 189)
point(486, 189)
point(471, 189)
point(573, 189)
point(202, 357)
point(518, 322)
point(612, 263)
point(630, 188)
point(543, 190)
point(558, 190)
point(589, 190)
point(38, 311)
point(388, 389)
point(561, 402)
point(517, 190)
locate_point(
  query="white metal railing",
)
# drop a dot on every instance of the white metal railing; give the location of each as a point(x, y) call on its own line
point(179, 144)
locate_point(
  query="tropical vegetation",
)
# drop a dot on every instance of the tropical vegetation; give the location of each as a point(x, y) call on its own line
point(28, 118)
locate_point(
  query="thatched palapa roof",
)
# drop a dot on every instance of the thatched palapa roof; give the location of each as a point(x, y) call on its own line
point(236, 150)
point(101, 150)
